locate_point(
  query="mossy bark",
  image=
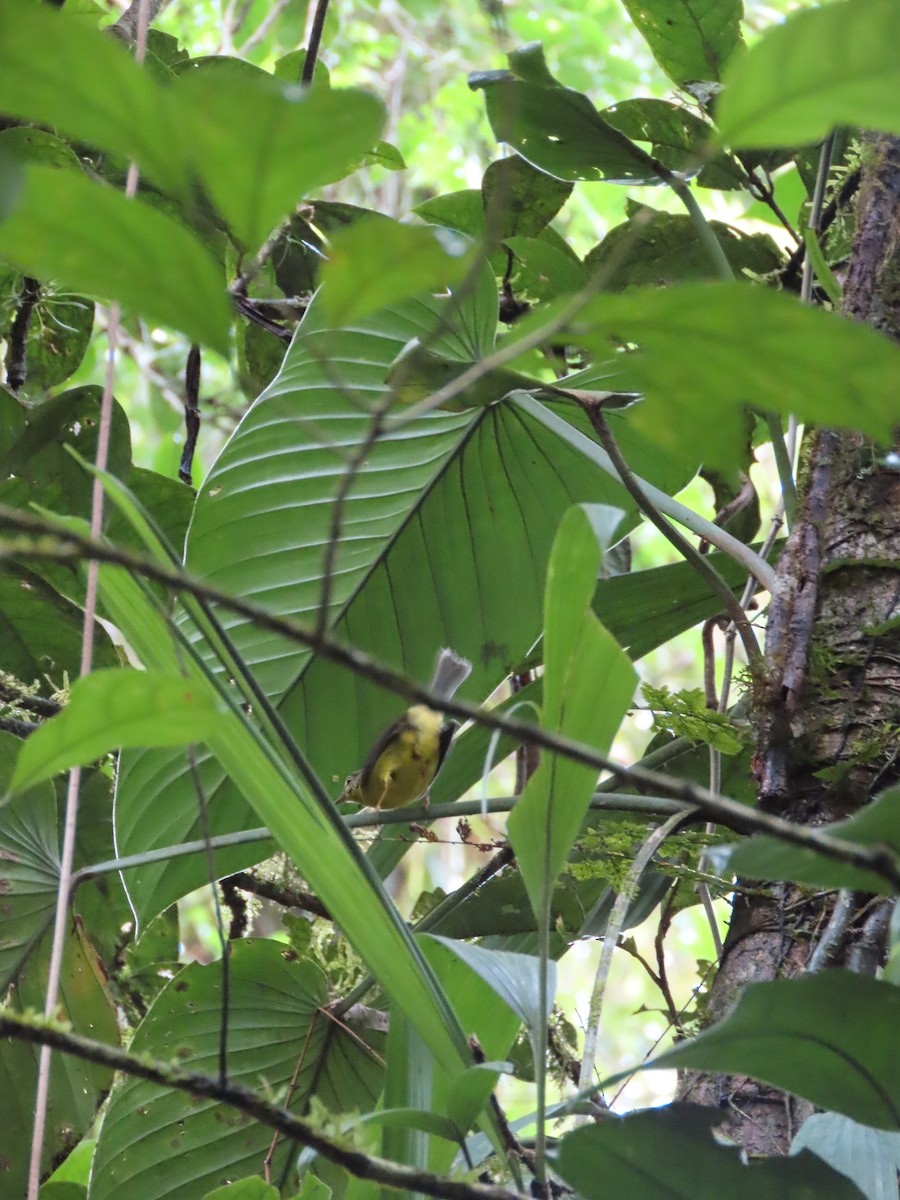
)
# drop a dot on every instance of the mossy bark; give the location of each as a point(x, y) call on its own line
point(829, 710)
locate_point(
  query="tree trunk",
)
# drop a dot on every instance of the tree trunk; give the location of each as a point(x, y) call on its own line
point(829, 711)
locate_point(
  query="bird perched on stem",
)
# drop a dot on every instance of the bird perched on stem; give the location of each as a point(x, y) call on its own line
point(405, 759)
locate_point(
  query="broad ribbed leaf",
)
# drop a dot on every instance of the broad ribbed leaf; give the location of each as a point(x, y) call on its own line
point(870, 1157)
point(274, 1020)
point(452, 506)
point(77, 1088)
point(29, 867)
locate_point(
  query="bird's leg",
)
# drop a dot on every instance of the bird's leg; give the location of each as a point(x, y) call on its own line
point(388, 780)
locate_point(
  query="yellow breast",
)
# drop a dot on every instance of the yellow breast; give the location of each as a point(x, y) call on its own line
point(408, 761)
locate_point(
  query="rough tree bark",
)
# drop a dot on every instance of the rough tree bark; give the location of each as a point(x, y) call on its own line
point(829, 712)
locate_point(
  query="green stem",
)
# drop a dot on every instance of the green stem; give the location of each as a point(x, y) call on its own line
point(723, 269)
point(704, 230)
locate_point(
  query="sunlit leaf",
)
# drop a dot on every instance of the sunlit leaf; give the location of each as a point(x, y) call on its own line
point(87, 236)
point(580, 657)
point(373, 264)
point(57, 71)
point(111, 709)
point(292, 139)
point(690, 39)
point(778, 94)
point(761, 349)
point(556, 128)
point(665, 249)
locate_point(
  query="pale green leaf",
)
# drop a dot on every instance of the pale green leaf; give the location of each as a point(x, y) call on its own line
point(112, 709)
point(832, 65)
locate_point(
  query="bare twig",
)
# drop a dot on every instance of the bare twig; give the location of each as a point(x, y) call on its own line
point(191, 413)
point(611, 939)
point(67, 852)
point(17, 349)
point(315, 38)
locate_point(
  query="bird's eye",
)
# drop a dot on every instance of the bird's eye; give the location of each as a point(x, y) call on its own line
point(348, 782)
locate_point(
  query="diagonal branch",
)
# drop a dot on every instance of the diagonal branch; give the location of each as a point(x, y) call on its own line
point(67, 546)
point(363, 1166)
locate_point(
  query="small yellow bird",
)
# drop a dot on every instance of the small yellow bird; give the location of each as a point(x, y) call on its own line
point(401, 765)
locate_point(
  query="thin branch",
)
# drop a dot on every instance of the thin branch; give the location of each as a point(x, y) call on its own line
point(70, 822)
point(264, 26)
point(285, 896)
point(67, 546)
point(841, 918)
point(224, 944)
point(39, 1032)
point(315, 38)
point(20, 729)
point(651, 806)
point(611, 940)
point(17, 348)
point(815, 213)
point(191, 414)
point(15, 694)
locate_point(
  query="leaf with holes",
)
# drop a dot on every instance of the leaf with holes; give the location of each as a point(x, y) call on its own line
point(274, 1024)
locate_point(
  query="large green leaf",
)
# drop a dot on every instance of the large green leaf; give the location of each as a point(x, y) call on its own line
point(453, 506)
point(111, 709)
point(376, 263)
point(829, 1037)
point(555, 128)
point(273, 777)
point(779, 93)
point(760, 349)
point(644, 609)
point(690, 39)
point(88, 236)
point(40, 631)
point(29, 867)
point(678, 137)
point(671, 1152)
point(876, 825)
point(274, 1020)
point(56, 71)
point(35, 465)
point(666, 249)
point(581, 662)
point(77, 1088)
point(869, 1157)
point(518, 200)
point(291, 140)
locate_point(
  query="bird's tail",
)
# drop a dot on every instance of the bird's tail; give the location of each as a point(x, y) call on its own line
point(449, 672)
